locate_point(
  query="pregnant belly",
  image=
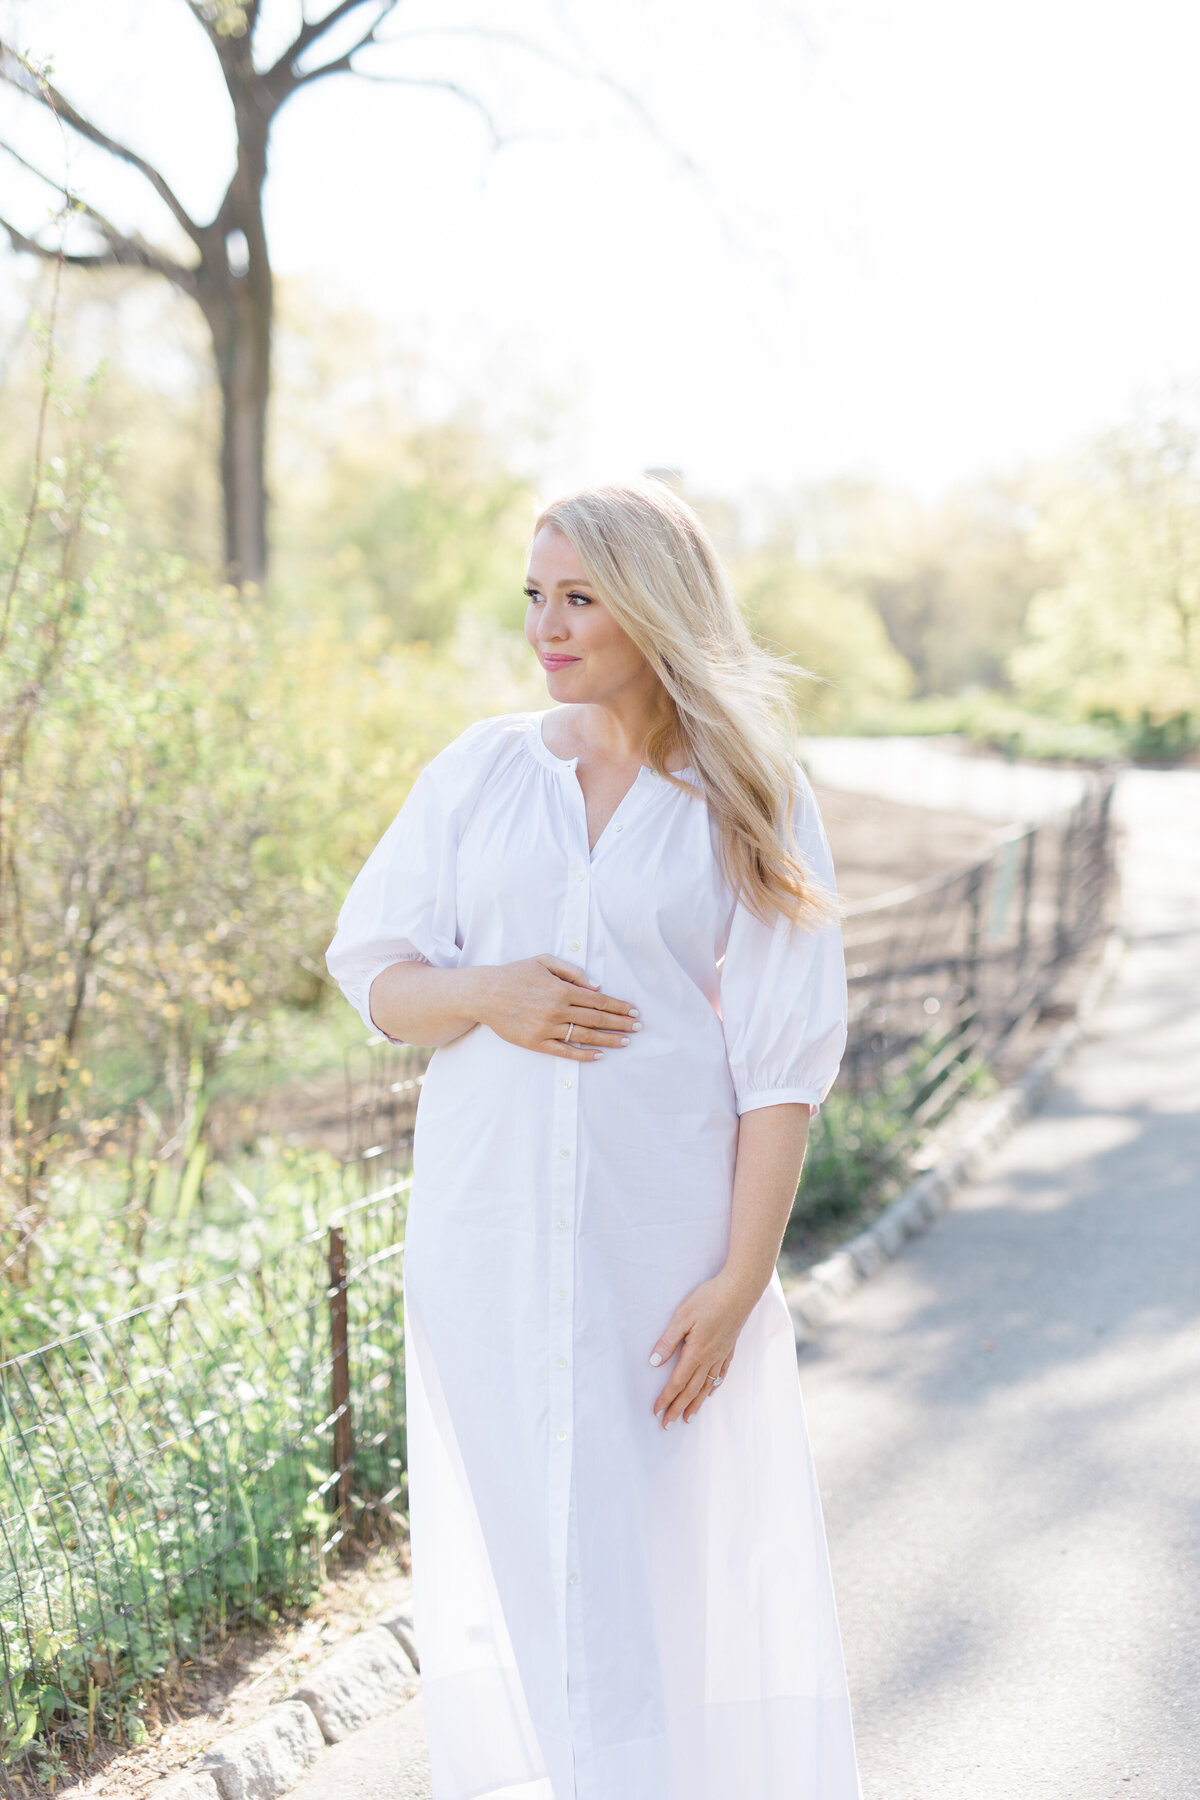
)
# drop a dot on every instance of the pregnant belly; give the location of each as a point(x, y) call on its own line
point(649, 1131)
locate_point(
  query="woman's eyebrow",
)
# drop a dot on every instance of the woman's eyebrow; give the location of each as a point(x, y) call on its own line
point(571, 581)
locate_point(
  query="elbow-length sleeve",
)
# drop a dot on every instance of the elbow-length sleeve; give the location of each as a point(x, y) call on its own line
point(783, 989)
point(402, 905)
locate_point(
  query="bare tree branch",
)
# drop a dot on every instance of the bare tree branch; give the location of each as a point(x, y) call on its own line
point(517, 41)
point(40, 173)
point(312, 30)
point(100, 260)
point(129, 249)
point(121, 252)
point(14, 71)
point(425, 81)
point(283, 76)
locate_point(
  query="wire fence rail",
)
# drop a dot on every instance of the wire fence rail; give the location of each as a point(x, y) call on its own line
point(939, 973)
point(942, 973)
point(171, 1472)
point(176, 1470)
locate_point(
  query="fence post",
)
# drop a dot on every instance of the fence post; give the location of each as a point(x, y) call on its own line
point(1066, 869)
point(342, 1454)
point(1027, 869)
point(974, 898)
point(1102, 856)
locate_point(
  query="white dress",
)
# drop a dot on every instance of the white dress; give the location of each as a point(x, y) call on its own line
point(605, 1610)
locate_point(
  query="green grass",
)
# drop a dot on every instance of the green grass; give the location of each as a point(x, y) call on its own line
point(166, 1477)
point(997, 723)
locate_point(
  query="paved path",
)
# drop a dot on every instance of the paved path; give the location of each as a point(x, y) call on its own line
point(1007, 1420)
point(1007, 1426)
point(925, 771)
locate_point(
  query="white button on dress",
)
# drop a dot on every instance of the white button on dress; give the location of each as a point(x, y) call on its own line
point(606, 1610)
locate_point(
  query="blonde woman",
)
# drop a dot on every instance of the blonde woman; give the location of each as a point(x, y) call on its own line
point(613, 919)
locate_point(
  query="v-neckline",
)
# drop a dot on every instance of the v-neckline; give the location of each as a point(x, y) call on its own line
point(613, 815)
point(570, 765)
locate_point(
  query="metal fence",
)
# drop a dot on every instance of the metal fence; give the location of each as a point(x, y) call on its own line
point(170, 1472)
point(383, 1084)
point(187, 1465)
point(941, 973)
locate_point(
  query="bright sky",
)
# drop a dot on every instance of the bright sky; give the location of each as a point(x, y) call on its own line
point(914, 239)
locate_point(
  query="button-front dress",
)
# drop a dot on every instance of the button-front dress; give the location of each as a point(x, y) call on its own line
point(605, 1610)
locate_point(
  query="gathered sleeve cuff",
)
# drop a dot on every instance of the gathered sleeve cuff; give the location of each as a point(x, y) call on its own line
point(402, 904)
point(783, 989)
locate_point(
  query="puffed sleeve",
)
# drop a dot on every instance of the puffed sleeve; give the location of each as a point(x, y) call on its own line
point(783, 989)
point(401, 907)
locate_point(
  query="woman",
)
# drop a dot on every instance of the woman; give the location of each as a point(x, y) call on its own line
point(613, 919)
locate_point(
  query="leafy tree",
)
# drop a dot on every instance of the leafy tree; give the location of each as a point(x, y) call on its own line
point(954, 586)
point(833, 631)
point(950, 580)
point(1117, 636)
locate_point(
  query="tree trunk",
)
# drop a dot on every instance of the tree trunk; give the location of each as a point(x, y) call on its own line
point(236, 293)
point(242, 347)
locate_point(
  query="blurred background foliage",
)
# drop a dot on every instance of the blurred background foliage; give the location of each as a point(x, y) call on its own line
point(191, 775)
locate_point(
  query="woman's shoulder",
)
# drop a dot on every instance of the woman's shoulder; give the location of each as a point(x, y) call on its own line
point(479, 749)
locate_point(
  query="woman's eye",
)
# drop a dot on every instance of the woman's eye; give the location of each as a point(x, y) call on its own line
point(585, 598)
point(532, 594)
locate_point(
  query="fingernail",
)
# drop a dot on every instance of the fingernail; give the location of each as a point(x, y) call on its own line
point(633, 1012)
point(596, 1055)
point(687, 1418)
point(670, 1424)
point(655, 1359)
point(593, 984)
point(624, 1040)
point(635, 1027)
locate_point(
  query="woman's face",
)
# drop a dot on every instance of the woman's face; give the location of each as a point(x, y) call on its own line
point(585, 653)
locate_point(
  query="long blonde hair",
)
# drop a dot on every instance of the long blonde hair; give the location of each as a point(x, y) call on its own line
point(656, 569)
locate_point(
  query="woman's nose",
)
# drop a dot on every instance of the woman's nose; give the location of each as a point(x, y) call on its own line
point(551, 626)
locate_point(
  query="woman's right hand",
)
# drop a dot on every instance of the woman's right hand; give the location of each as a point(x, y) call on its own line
point(532, 1002)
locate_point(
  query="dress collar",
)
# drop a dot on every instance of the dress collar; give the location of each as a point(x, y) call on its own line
point(567, 764)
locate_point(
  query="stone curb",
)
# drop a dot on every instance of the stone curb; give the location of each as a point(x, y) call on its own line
point(369, 1674)
point(268, 1757)
point(193, 1786)
point(815, 1296)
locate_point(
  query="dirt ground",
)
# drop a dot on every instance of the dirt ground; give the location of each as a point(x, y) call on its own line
point(240, 1679)
point(879, 845)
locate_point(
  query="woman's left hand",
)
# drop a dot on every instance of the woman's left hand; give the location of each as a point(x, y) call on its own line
point(704, 1329)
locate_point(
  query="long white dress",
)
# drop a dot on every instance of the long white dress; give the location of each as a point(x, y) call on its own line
point(605, 1610)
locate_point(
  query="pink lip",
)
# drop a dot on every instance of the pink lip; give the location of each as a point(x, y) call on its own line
point(558, 662)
